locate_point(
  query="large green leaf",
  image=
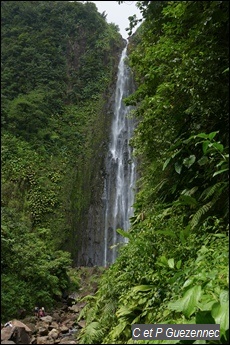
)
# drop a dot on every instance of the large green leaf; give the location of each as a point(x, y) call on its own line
point(163, 260)
point(204, 160)
point(187, 200)
point(189, 161)
point(220, 172)
point(205, 146)
point(220, 312)
point(212, 135)
point(178, 264)
point(188, 303)
point(203, 317)
point(207, 301)
point(124, 233)
point(143, 288)
point(201, 135)
point(171, 263)
point(123, 311)
point(166, 163)
point(178, 167)
point(117, 331)
point(218, 147)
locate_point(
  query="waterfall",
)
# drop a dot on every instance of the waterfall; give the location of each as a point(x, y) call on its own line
point(120, 166)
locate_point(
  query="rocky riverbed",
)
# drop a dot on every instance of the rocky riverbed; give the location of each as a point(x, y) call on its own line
point(58, 326)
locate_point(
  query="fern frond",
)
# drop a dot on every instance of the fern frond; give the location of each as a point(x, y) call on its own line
point(216, 188)
point(117, 331)
point(123, 311)
point(86, 311)
point(166, 212)
point(160, 184)
point(226, 213)
point(109, 308)
point(91, 334)
point(189, 192)
point(202, 211)
point(88, 298)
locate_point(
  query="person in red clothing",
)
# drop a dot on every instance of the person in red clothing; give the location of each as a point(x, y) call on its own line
point(41, 312)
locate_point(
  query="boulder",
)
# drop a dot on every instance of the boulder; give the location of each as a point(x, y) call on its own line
point(65, 307)
point(81, 305)
point(47, 318)
point(6, 333)
point(53, 334)
point(81, 323)
point(42, 331)
point(69, 323)
point(33, 340)
point(72, 299)
point(64, 329)
point(53, 325)
point(20, 336)
point(18, 323)
point(31, 326)
point(44, 340)
point(75, 308)
point(56, 316)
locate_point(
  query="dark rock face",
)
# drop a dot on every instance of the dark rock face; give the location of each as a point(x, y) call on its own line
point(110, 203)
point(20, 336)
point(90, 230)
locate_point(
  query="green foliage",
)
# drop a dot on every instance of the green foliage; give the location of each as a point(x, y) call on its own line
point(58, 61)
point(74, 280)
point(30, 257)
point(61, 57)
point(92, 331)
point(209, 301)
point(56, 73)
point(27, 114)
point(210, 164)
point(174, 268)
point(16, 294)
point(165, 282)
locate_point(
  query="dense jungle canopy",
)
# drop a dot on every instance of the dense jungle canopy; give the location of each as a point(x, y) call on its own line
point(59, 60)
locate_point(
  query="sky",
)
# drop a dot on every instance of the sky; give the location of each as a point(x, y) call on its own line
point(118, 14)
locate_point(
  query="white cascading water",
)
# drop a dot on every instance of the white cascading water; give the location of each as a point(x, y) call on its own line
point(120, 167)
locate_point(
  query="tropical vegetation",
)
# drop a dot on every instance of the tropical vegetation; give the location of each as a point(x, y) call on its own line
point(59, 62)
point(174, 268)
